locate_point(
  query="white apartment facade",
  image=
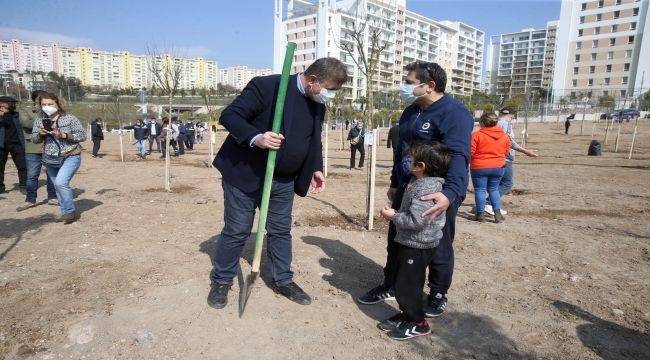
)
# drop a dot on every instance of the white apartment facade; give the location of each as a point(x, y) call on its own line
point(239, 76)
point(517, 61)
point(116, 69)
point(319, 27)
point(603, 50)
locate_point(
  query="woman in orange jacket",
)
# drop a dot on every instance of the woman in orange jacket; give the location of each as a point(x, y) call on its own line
point(490, 144)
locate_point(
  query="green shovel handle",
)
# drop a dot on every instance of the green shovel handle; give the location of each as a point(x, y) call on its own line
point(270, 162)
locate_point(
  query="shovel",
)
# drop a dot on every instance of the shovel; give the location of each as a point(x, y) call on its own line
point(247, 288)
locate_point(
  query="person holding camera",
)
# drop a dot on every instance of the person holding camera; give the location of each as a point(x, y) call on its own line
point(61, 134)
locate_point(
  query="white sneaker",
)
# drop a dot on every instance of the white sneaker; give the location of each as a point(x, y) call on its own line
point(25, 206)
point(489, 210)
point(53, 202)
point(503, 211)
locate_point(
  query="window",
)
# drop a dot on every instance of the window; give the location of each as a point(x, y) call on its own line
point(582, 19)
point(610, 55)
point(579, 32)
point(584, 6)
point(605, 93)
point(628, 54)
point(623, 93)
point(630, 40)
point(578, 45)
point(595, 44)
point(578, 58)
point(617, 14)
point(592, 69)
point(624, 81)
point(614, 28)
point(635, 12)
point(606, 81)
point(633, 26)
point(575, 71)
point(618, 2)
point(612, 41)
point(590, 82)
point(599, 17)
point(574, 83)
point(593, 56)
point(600, 3)
point(609, 68)
point(597, 30)
point(626, 67)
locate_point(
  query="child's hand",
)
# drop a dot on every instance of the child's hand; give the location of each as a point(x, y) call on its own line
point(387, 212)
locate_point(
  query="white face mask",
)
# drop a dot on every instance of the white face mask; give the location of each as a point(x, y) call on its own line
point(406, 93)
point(325, 96)
point(49, 110)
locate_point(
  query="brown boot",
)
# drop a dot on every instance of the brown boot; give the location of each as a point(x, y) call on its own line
point(480, 216)
point(68, 218)
point(498, 217)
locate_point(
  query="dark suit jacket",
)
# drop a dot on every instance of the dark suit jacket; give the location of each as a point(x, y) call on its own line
point(251, 113)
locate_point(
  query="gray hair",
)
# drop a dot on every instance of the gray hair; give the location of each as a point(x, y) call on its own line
point(328, 69)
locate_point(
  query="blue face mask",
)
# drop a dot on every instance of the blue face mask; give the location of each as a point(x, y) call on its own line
point(406, 93)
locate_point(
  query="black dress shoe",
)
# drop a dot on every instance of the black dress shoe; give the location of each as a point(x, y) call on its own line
point(218, 296)
point(294, 293)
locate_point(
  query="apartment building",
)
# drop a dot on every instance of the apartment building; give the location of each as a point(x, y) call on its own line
point(603, 51)
point(239, 76)
point(117, 69)
point(518, 62)
point(322, 28)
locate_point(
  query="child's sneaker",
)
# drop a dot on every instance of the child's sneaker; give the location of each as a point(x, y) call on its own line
point(435, 305)
point(407, 330)
point(391, 323)
point(376, 295)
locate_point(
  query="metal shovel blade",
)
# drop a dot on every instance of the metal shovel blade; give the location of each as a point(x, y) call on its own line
point(246, 290)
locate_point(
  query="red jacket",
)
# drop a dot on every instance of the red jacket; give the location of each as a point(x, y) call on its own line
point(489, 148)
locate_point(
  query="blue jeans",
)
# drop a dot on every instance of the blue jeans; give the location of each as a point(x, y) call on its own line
point(508, 179)
point(61, 178)
point(140, 145)
point(487, 180)
point(34, 164)
point(239, 212)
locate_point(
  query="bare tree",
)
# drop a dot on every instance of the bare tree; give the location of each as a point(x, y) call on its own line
point(166, 75)
point(363, 42)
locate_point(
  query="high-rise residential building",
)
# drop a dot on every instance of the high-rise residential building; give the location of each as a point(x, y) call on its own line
point(601, 50)
point(239, 76)
point(518, 62)
point(321, 28)
point(19, 56)
point(117, 69)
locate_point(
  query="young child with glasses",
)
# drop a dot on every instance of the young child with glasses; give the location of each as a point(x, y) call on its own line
point(416, 237)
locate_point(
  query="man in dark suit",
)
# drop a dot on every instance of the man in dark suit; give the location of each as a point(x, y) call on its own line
point(154, 132)
point(299, 164)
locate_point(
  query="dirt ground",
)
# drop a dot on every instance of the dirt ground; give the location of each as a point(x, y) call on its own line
point(566, 276)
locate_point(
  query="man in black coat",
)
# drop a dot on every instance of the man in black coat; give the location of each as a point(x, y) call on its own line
point(393, 140)
point(299, 165)
point(12, 142)
point(97, 134)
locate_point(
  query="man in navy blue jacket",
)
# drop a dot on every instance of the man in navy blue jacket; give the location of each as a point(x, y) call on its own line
point(299, 164)
point(432, 115)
